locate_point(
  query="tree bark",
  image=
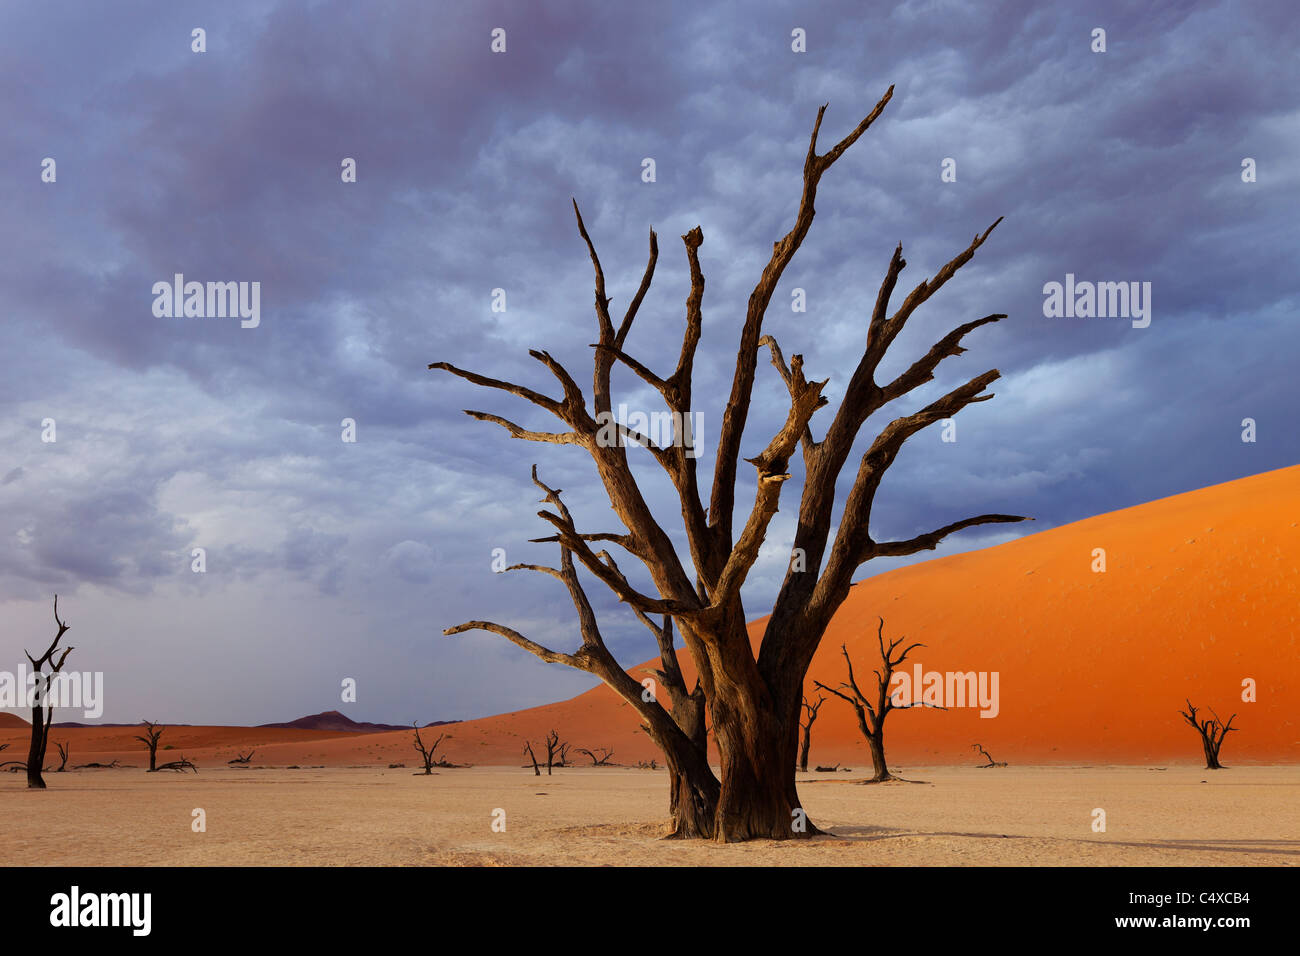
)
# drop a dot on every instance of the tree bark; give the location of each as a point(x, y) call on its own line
point(756, 728)
point(36, 750)
point(877, 744)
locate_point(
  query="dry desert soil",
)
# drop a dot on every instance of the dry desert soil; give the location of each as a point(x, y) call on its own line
point(1041, 816)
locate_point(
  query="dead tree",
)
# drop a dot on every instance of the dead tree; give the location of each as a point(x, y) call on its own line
point(753, 699)
point(63, 757)
point(153, 730)
point(528, 749)
point(426, 753)
point(93, 765)
point(872, 713)
point(601, 759)
point(988, 757)
point(809, 718)
point(42, 702)
point(1212, 731)
point(180, 766)
point(242, 758)
point(554, 748)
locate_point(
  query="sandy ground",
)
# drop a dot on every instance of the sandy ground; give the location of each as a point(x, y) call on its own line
point(613, 816)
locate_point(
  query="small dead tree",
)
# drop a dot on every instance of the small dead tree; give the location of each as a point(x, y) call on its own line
point(42, 703)
point(528, 749)
point(988, 757)
point(153, 730)
point(63, 758)
point(809, 718)
point(180, 766)
point(598, 761)
point(427, 754)
point(94, 765)
point(243, 758)
point(872, 714)
point(1212, 731)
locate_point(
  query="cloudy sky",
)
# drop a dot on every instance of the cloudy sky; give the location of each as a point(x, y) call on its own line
point(327, 559)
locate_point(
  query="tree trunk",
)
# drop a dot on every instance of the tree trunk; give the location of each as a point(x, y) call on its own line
point(1211, 754)
point(693, 793)
point(758, 797)
point(804, 747)
point(36, 751)
point(877, 744)
point(756, 728)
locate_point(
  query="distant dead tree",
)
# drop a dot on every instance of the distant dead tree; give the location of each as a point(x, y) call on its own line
point(426, 753)
point(598, 761)
point(180, 766)
point(809, 718)
point(872, 713)
point(12, 765)
point(63, 757)
point(43, 704)
point(93, 765)
point(555, 748)
point(243, 758)
point(1212, 731)
point(528, 749)
point(988, 757)
point(698, 566)
point(153, 730)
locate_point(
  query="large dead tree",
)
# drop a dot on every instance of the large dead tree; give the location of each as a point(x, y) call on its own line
point(872, 711)
point(753, 699)
point(810, 711)
point(43, 700)
point(152, 732)
point(1212, 731)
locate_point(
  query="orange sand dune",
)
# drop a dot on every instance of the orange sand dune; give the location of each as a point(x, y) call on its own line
point(1199, 593)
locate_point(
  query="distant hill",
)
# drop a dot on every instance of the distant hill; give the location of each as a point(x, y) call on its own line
point(327, 720)
point(333, 720)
